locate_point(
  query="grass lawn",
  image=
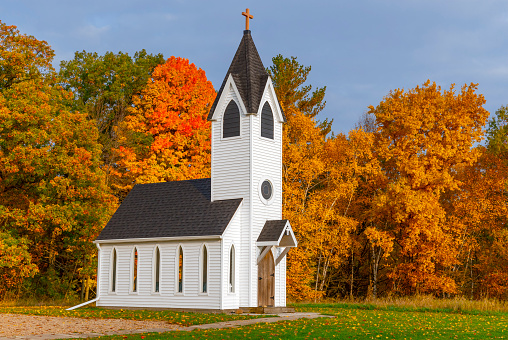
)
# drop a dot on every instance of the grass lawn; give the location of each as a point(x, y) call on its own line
point(184, 319)
point(357, 323)
point(352, 321)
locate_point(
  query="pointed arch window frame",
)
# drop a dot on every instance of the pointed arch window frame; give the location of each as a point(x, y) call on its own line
point(204, 269)
point(234, 100)
point(113, 272)
point(156, 269)
point(134, 271)
point(272, 138)
point(180, 280)
point(232, 269)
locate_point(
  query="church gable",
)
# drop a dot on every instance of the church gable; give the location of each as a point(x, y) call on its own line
point(169, 210)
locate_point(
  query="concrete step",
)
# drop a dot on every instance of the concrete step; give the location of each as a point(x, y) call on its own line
point(267, 310)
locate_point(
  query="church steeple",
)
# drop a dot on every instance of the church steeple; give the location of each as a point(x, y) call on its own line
point(248, 73)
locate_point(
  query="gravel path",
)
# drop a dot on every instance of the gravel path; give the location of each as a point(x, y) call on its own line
point(19, 326)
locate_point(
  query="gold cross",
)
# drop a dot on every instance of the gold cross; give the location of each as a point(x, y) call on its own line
point(247, 17)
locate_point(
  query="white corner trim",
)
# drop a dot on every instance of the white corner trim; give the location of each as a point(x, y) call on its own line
point(99, 260)
point(230, 84)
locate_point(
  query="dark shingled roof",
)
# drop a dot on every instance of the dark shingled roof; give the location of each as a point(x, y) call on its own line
point(249, 74)
point(170, 209)
point(272, 230)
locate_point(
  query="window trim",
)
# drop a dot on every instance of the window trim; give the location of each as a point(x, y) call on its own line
point(179, 249)
point(113, 271)
point(261, 122)
point(274, 190)
point(156, 269)
point(232, 270)
point(202, 262)
point(222, 121)
point(134, 272)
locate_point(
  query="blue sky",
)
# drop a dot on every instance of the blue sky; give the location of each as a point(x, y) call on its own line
point(359, 50)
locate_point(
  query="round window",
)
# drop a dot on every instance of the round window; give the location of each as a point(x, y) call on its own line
point(266, 190)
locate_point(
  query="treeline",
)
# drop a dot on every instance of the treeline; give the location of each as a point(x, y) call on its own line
point(408, 202)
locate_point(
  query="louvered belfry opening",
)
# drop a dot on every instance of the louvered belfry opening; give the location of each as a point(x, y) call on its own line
point(231, 121)
point(267, 121)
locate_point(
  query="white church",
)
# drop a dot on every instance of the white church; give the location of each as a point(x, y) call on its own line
point(218, 243)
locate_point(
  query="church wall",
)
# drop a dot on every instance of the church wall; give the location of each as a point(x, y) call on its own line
point(168, 297)
point(232, 236)
point(230, 158)
point(280, 283)
point(267, 164)
point(230, 179)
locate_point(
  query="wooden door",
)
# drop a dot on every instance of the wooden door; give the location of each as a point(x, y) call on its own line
point(266, 281)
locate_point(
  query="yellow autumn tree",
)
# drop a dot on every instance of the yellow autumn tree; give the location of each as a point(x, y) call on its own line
point(320, 180)
point(423, 135)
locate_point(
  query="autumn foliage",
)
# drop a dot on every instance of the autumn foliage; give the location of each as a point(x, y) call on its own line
point(53, 197)
point(412, 201)
point(167, 136)
point(407, 203)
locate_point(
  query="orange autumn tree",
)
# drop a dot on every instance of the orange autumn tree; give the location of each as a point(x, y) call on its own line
point(167, 135)
point(422, 136)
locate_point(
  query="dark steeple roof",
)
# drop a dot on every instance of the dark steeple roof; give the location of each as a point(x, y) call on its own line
point(170, 209)
point(249, 74)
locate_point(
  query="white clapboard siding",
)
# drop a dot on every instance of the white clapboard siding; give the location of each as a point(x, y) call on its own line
point(168, 297)
point(267, 164)
point(230, 156)
point(232, 236)
point(231, 178)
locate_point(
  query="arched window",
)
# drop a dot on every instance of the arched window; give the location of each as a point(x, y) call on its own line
point(113, 270)
point(180, 270)
point(267, 121)
point(204, 269)
point(231, 121)
point(232, 269)
point(157, 270)
point(135, 270)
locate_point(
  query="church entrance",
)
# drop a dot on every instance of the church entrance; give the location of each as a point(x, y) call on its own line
point(266, 281)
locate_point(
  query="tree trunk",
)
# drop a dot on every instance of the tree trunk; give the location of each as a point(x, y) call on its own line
point(87, 287)
point(352, 273)
point(376, 257)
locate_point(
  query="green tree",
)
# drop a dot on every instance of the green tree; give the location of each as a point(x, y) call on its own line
point(497, 132)
point(289, 79)
point(104, 86)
